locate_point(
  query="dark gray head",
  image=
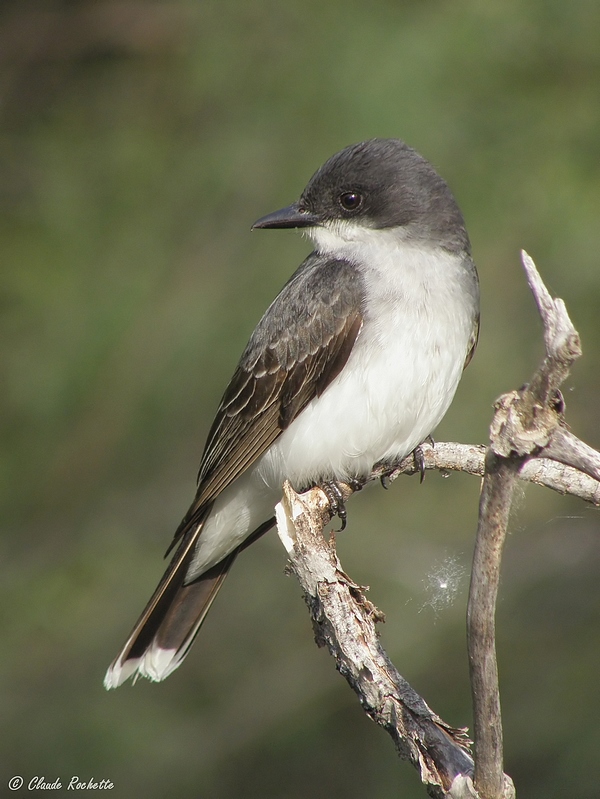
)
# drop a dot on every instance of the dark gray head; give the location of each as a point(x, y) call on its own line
point(378, 184)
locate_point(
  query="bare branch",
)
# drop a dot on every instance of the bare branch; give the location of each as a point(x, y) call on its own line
point(563, 346)
point(529, 442)
point(463, 788)
point(469, 458)
point(566, 448)
point(494, 510)
point(524, 425)
point(344, 620)
point(561, 478)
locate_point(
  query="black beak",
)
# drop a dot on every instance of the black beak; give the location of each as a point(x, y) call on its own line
point(292, 216)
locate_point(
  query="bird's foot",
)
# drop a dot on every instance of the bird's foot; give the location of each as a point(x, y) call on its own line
point(419, 458)
point(391, 468)
point(335, 496)
point(419, 461)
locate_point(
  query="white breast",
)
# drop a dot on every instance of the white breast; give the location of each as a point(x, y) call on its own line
point(395, 388)
point(402, 373)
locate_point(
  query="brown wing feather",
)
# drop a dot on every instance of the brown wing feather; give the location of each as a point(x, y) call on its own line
point(472, 343)
point(286, 364)
point(298, 348)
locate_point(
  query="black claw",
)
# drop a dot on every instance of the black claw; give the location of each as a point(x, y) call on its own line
point(336, 500)
point(419, 460)
point(384, 480)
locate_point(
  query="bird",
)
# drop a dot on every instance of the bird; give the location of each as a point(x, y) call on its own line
point(355, 362)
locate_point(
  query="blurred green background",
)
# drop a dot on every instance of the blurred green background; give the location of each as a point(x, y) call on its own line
point(138, 143)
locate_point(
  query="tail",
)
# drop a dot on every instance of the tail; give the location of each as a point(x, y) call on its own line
point(172, 618)
point(170, 621)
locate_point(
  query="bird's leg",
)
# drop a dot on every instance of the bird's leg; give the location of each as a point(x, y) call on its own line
point(418, 461)
point(333, 492)
point(419, 458)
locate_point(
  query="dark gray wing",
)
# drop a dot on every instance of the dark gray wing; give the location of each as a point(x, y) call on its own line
point(300, 345)
point(472, 342)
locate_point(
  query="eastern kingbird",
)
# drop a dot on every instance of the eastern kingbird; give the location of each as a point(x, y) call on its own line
point(355, 361)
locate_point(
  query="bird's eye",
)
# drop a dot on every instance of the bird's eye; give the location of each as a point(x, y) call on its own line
point(351, 200)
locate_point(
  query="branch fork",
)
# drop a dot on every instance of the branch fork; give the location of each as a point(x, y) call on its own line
point(528, 440)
